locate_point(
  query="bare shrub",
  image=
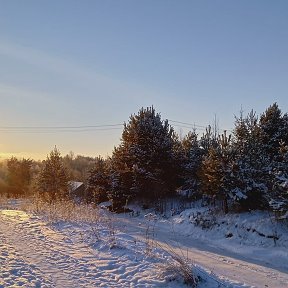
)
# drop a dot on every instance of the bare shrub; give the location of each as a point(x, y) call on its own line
point(179, 265)
point(150, 232)
point(62, 210)
point(109, 223)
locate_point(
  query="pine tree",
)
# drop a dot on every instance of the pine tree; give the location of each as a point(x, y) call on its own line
point(211, 174)
point(120, 189)
point(251, 168)
point(146, 154)
point(208, 140)
point(272, 127)
point(278, 197)
point(284, 129)
point(98, 183)
point(191, 159)
point(216, 171)
point(53, 181)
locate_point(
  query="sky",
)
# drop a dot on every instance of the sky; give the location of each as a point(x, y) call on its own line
point(72, 72)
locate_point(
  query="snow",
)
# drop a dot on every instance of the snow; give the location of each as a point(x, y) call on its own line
point(108, 250)
point(238, 247)
point(75, 185)
point(35, 254)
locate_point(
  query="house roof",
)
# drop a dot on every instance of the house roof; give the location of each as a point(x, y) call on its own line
point(75, 185)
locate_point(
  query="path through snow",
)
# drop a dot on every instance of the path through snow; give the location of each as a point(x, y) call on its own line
point(34, 255)
point(223, 263)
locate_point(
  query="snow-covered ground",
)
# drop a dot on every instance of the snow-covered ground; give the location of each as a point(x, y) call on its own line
point(108, 250)
point(251, 248)
point(34, 254)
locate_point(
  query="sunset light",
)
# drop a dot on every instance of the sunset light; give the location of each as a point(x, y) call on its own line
point(144, 143)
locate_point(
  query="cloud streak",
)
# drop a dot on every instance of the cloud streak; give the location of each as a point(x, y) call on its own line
point(75, 74)
point(17, 93)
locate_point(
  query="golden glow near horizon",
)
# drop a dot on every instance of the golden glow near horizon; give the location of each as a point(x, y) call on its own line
point(37, 147)
point(4, 155)
point(35, 156)
point(38, 156)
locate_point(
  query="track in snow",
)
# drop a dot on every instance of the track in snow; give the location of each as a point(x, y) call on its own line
point(223, 263)
point(34, 255)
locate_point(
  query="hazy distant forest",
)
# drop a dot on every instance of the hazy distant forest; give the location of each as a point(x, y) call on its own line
point(242, 170)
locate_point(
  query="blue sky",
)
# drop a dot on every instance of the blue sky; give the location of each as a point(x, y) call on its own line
point(86, 63)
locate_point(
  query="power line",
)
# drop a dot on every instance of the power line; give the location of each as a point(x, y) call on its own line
point(57, 131)
point(189, 127)
point(185, 123)
point(198, 127)
point(90, 128)
point(60, 127)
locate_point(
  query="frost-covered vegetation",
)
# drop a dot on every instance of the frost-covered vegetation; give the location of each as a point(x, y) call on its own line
point(242, 171)
point(64, 244)
point(185, 183)
point(245, 170)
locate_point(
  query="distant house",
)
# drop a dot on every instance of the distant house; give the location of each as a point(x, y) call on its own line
point(77, 189)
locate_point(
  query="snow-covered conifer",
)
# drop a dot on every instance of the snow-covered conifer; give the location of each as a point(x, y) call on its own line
point(53, 180)
point(191, 159)
point(146, 151)
point(98, 181)
point(251, 169)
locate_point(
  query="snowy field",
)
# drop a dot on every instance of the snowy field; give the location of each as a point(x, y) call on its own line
point(100, 249)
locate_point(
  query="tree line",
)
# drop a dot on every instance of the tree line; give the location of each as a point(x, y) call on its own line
point(246, 169)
